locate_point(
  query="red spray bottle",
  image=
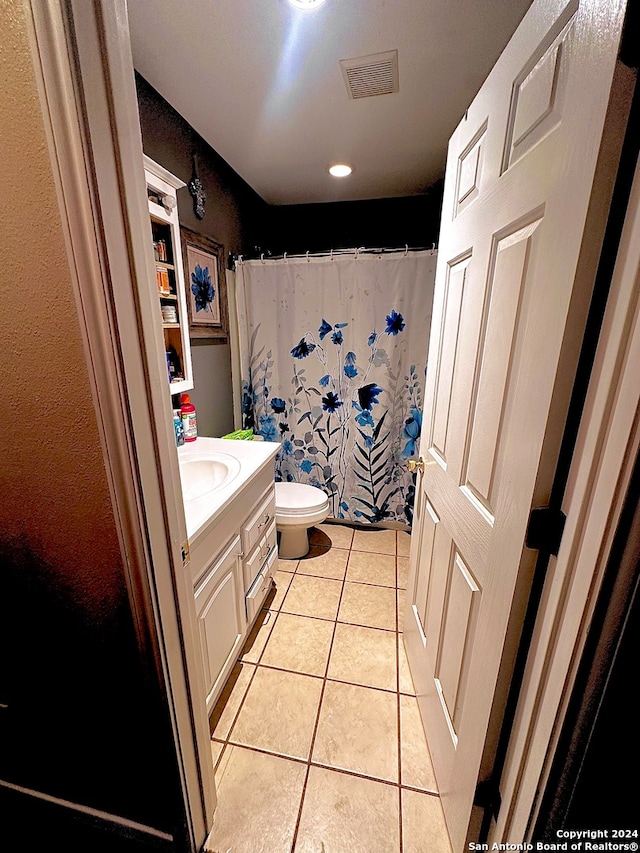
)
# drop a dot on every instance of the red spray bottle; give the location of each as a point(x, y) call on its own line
point(188, 416)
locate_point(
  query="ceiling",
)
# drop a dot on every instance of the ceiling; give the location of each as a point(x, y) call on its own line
point(261, 82)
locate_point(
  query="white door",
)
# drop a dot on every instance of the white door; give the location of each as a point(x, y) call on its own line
point(524, 209)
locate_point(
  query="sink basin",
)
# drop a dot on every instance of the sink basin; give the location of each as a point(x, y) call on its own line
point(207, 474)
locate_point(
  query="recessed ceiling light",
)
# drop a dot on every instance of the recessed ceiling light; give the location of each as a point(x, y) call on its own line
point(340, 170)
point(306, 4)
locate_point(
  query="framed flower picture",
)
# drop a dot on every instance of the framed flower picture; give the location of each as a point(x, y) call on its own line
point(205, 285)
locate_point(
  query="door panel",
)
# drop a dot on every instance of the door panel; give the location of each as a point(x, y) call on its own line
point(447, 357)
point(507, 284)
point(512, 288)
point(460, 614)
point(538, 92)
point(470, 170)
point(422, 593)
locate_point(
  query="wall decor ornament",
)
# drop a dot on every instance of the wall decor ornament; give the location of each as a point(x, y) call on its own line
point(197, 191)
point(205, 286)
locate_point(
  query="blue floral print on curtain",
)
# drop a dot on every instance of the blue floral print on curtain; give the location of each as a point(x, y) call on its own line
point(347, 423)
point(334, 354)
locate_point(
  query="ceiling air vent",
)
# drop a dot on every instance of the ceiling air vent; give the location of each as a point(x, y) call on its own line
point(376, 74)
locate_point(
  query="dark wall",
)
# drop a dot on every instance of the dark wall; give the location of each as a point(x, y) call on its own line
point(379, 223)
point(234, 212)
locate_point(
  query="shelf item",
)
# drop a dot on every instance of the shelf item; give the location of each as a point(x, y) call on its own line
point(162, 200)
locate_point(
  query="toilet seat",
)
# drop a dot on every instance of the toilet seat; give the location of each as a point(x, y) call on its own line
point(298, 507)
point(298, 499)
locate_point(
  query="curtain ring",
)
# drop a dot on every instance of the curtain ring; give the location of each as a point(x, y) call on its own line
point(331, 257)
point(239, 259)
point(433, 248)
point(262, 258)
point(406, 249)
point(285, 258)
point(307, 256)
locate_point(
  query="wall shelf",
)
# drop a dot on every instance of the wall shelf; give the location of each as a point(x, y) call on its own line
point(169, 285)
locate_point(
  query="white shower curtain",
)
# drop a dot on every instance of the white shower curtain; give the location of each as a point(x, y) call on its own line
point(333, 353)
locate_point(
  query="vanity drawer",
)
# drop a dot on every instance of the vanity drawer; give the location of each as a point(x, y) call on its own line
point(255, 527)
point(259, 589)
point(253, 565)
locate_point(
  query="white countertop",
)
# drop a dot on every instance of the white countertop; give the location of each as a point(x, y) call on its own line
point(252, 456)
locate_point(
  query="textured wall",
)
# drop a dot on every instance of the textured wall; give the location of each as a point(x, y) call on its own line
point(51, 462)
point(84, 719)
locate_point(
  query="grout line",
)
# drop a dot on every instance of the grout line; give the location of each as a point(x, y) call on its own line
point(321, 766)
point(303, 794)
point(228, 742)
point(377, 585)
point(304, 616)
point(331, 678)
point(269, 752)
point(236, 715)
point(275, 614)
point(420, 791)
point(276, 668)
point(320, 577)
point(343, 771)
point(340, 621)
point(317, 722)
point(398, 708)
point(253, 675)
point(355, 773)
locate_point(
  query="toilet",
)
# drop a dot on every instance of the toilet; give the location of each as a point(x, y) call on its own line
point(298, 507)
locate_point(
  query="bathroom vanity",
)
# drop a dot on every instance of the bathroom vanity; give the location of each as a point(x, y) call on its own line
point(229, 500)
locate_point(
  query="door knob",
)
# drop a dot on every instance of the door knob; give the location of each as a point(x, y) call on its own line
point(416, 465)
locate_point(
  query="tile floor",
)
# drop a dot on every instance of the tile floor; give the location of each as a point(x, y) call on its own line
point(317, 739)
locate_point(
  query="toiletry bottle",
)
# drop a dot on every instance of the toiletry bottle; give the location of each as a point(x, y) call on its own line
point(174, 361)
point(179, 429)
point(188, 415)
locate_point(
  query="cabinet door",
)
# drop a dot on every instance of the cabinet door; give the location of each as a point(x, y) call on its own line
point(221, 618)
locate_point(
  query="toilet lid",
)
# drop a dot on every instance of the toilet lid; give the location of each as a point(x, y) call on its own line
point(299, 499)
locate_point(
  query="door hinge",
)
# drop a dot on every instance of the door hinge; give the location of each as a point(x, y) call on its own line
point(185, 554)
point(545, 529)
point(488, 797)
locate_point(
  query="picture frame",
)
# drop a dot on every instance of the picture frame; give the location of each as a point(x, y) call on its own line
point(205, 285)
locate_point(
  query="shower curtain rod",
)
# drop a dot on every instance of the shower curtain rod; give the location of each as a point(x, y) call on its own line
point(238, 259)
